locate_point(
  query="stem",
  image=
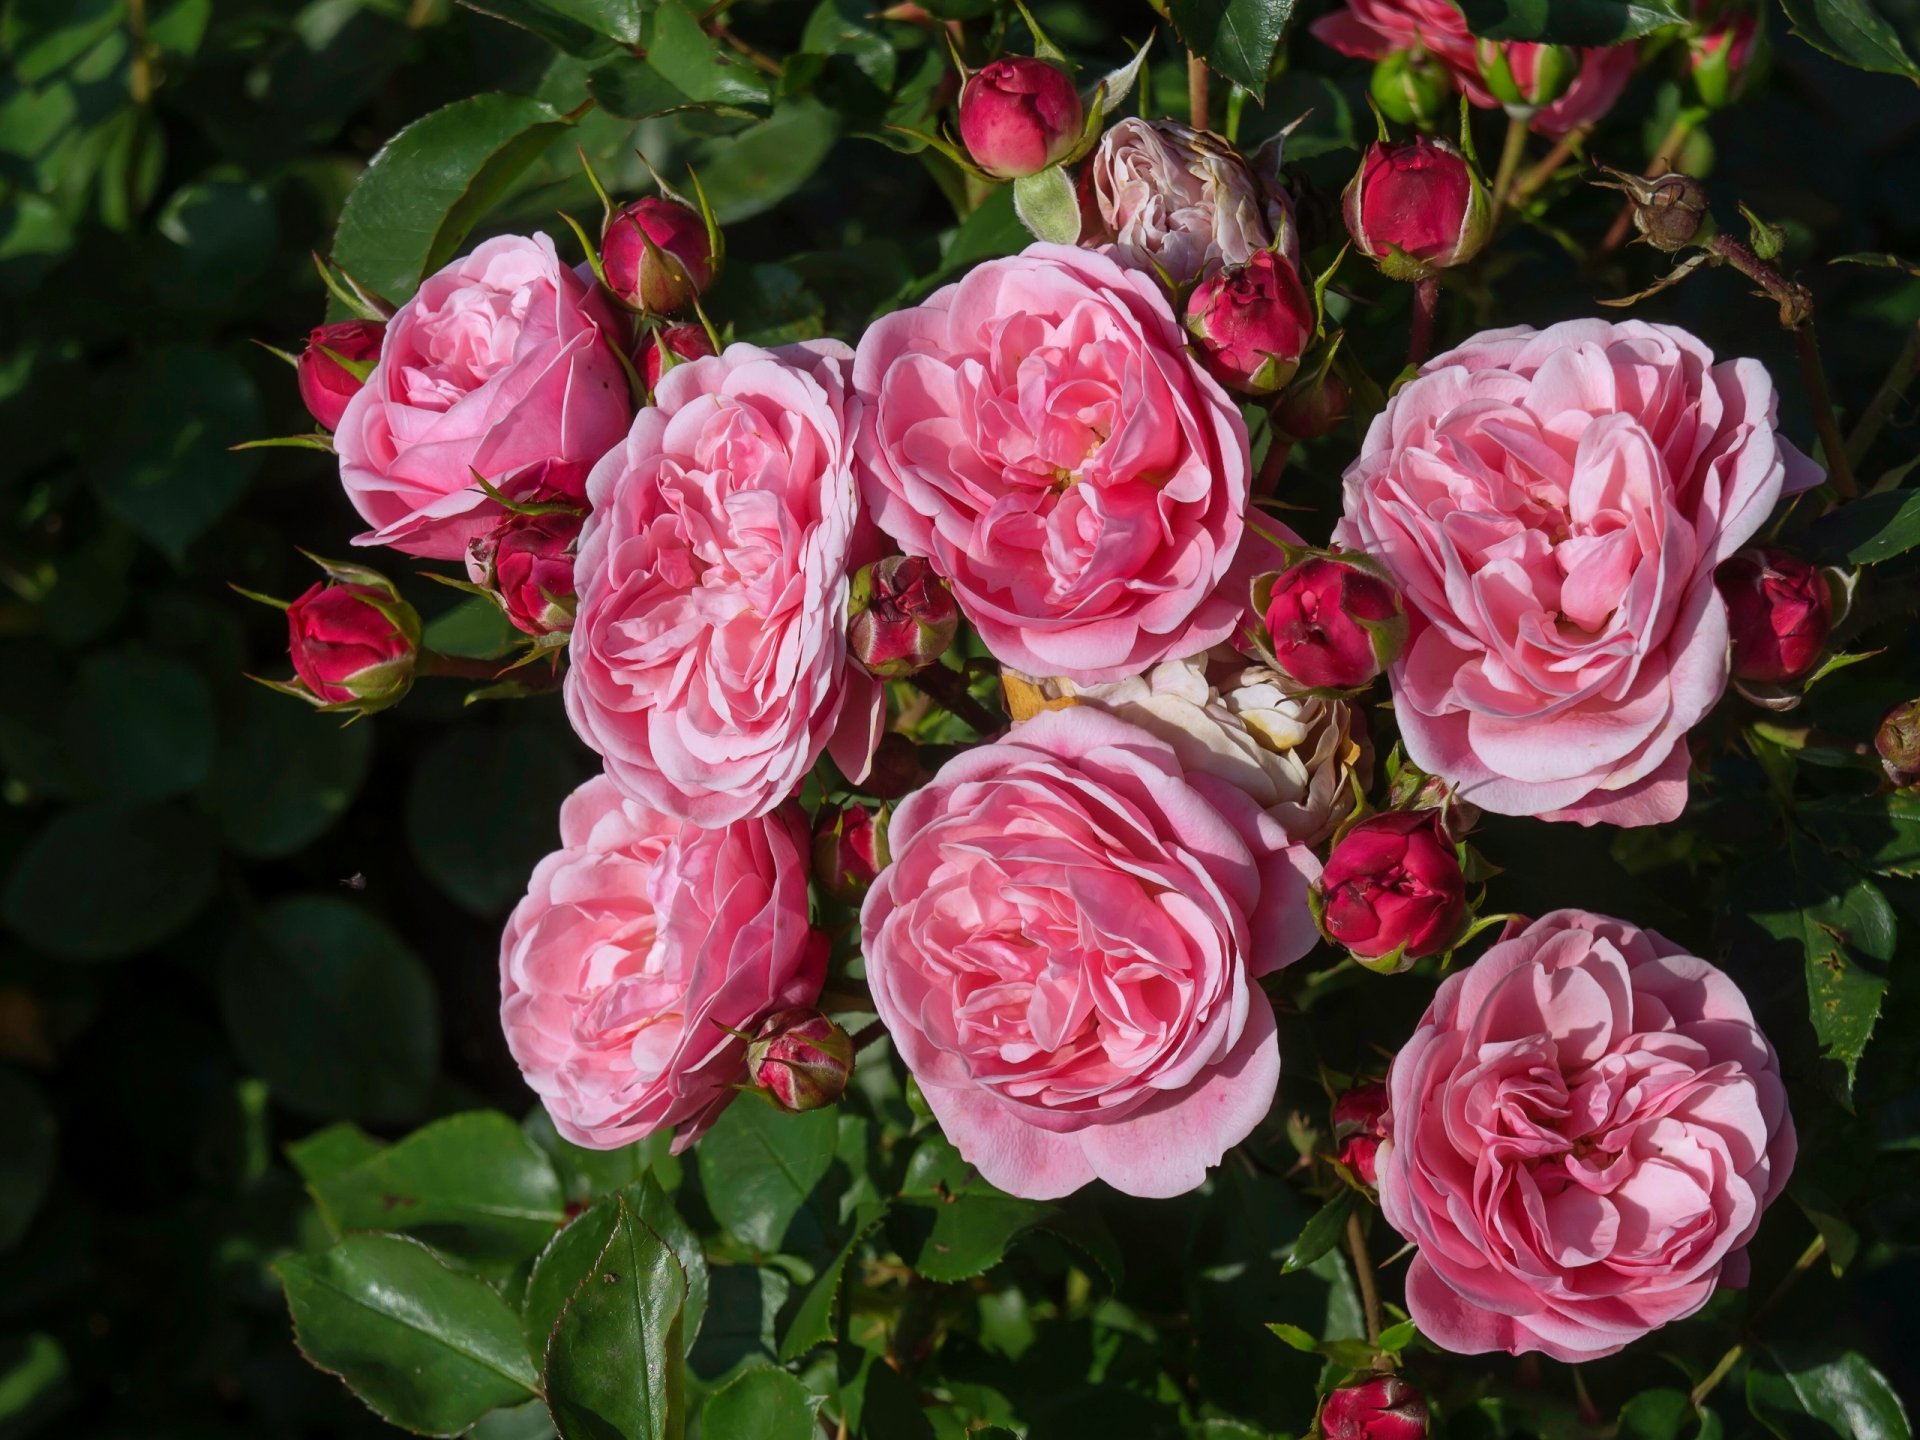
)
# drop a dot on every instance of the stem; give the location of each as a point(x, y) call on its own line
point(1197, 81)
point(1814, 375)
point(867, 1034)
point(948, 689)
point(1813, 1252)
point(1426, 302)
point(1892, 391)
point(1268, 480)
point(759, 59)
point(1540, 174)
point(1658, 163)
point(1363, 1272)
point(457, 667)
point(1511, 152)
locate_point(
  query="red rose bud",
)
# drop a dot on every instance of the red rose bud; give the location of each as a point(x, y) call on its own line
point(1379, 1407)
point(1898, 743)
point(335, 365)
point(1334, 622)
point(1411, 87)
point(849, 849)
point(1523, 76)
point(655, 255)
point(1018, 116)
point(1392, 888)
point(1779, 611)
point(1313, 407)
point(901, 617)
point(662, 349)
point(1359, 1125)
point(1416, 207)
point(801, 1059)
point(1253, 322)
point(526, 561)
point(1727, 52)
point(353, 642)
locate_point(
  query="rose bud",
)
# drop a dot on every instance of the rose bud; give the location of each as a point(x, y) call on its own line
point(1416, 207)
point(1413, 789)
point(901, 617)
point(1525, 77)
point(1392, 890)
point(1315, 406)
point(1359, 1127)
point(1411, 87)
point(801, 1059)
point(1334, 621)
point(1379, 1407)
point(662, 349)
point(849, 849)
point(656, 255)
point(1253, 322)
point(1019, 115)
point(526, 562)
point(335, 365)
point(1727, 52)
point(353, 641)
point(1898, 743)
point(1779, 611)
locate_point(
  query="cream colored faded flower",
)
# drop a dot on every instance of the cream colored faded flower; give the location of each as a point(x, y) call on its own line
point(1293, 754)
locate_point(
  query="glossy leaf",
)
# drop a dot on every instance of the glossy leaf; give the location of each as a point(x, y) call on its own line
point(818, 1318)
point(1320, 1234)
point(587, 28)
point(283, 774)
point(1854, 31)
point(755, 169)
point(764, 1403)
point(429, 1348)
point(759, 1165)
point(696, 64)
point(1880, 833)
point(950, 1224)
point(1570, 22)
point(1235, 37)
point(566, 1260)
point(1843, 1392)
point(420, 196)
point(616, 1361)
point(1868, 530)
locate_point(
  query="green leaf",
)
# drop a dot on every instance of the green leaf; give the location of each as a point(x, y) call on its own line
point(107, 880)
point(694, 62)
point(616, 1362)
point(43, 37)
point(1235, 37)
point(479, 809)
point(565, 1262)
point(327, 1005)
point(418, 198)
point(589, 1175)
point(26, 1153)
point(629, 87)
point(1845, 928)
point(948, 1223)
point(1047, 205)
point(752, 171)
point(139, 726)
point(1569, 22)
point(1659, 1414)
point(330, 1149)
point(164, 464)
point(1852, 31)
point(1320, 1234)
point(1868, 530)
point(283, 774)
point(763, 1403)
point(759, 1164)
point(472, 1186)
point(429, 1348)
point(817, 1321)
point(1845, 1393)
point(1880, 833)
point(33, 1382)
point(588, 28)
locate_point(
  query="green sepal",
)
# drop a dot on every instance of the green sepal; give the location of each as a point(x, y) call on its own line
point(318, 440)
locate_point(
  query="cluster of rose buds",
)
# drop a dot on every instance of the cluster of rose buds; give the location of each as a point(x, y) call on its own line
point(1333, 621)
point(1359, 1127)
point(1393, 890)
point(1378, 1407)
point(800, 1059)
point(1779, 613)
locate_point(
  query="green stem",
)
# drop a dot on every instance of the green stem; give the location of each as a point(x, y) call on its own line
point(948, 689)
point(1512, 150)
point(1727, 1361)
point(1363, 1272)
point(1892, 391)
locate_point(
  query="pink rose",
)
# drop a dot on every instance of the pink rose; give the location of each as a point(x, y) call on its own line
point(1040, 432)
point(1066, 950)
point(1583, 1132)
point(501, 362)
point(1553, 505)
point(709, 650)
point(642, 946)
point(1182, 203)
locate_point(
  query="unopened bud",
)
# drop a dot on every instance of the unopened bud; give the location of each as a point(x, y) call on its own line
point(1898, 743)
point(801, 1059)
point(1411, 87)
point(1359, 1126)
point(1378, 1407)
point(1413, 789)
point(662, 349)
point(1315, 406)
point(1416, 207)
point(1392, 891)
point(1333, 621)
point(901, 617)
point(1728, 53)
point(656, 255)
point(334, 366)
point(526, 561)
point(353, 641)
point(1525, 77)
point(849, 849)
point(1253, 323)
point(1019, 115)
point(1779, 613)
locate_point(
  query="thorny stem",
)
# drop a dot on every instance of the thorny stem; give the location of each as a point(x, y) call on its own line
point(867, 1034)
point(948, 688)
point(1511, 152)
point(1892, 391)
point(1727, 1361)
point(1197, 80)
point(1363, 1272)
point(1426, 302)
point(1658, 163)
